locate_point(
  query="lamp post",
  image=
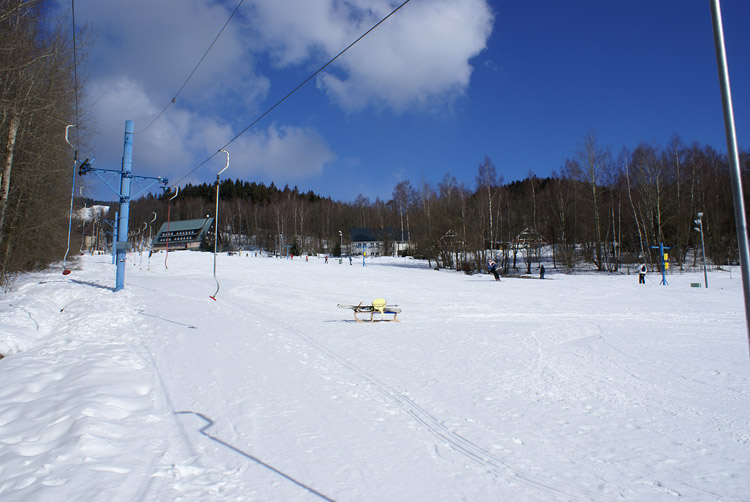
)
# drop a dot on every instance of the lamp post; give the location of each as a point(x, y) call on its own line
point(699, 228)
point(341, 244)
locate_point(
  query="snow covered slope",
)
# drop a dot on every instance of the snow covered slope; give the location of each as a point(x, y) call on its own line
point(580, 387)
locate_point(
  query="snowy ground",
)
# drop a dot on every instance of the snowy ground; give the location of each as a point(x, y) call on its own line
point(580, 387)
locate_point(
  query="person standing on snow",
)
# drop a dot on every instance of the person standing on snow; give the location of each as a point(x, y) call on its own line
point(541, 272)
point(492, 267)
point(642, 274)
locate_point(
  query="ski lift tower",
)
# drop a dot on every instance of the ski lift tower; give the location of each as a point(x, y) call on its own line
point(121, 243)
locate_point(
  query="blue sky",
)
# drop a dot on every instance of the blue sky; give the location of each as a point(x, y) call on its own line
point(437, 87)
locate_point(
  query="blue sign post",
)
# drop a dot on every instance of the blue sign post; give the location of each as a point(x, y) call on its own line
point(664, 259)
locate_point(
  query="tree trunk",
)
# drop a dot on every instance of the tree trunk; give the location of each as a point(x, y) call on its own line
point(7, 166)
point(635, 214)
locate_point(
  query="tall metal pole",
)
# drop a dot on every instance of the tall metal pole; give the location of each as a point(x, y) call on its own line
point(734, 158)
point(122, 222)
point(703, 250)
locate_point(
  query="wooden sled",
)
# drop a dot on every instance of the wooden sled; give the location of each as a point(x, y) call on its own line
point(377, 307)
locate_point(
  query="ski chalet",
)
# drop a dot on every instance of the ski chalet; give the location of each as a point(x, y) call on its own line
point(185, 234)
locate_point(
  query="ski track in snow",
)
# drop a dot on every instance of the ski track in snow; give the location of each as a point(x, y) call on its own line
point(624, 383)
point(485, 459)
point(162, 394)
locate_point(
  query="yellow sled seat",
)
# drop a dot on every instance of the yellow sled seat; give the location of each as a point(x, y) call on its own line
point(379, 305)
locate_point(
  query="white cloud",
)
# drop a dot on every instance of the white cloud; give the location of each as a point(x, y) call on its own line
point(172, 144)
point(158, 44)
point(281, 153)
point(136, 71)
point(118, 99)
point(418, 57)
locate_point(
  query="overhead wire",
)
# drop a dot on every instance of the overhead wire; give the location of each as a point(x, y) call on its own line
point(174, 98)
point(269, 110)
point(75, 70)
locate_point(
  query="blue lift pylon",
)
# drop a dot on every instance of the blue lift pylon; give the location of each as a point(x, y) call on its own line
point(125, 173)
point(664, 259)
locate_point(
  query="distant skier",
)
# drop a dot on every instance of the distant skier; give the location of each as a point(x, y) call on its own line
point(642, 274)
point(492, 267)
point(350, 260)
point(541, 272)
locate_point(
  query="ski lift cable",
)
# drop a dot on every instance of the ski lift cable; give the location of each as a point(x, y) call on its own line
point(216, 223)
point(66, 270)
point(292, 91)
point(148, 223)
point(75, 70)
point(141, 235)
point(150, 241)
point(83, 219)
point(169, 208)
point(174, 99)
point(149, 227)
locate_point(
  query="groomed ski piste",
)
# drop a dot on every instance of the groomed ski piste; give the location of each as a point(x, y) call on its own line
point(583, 387)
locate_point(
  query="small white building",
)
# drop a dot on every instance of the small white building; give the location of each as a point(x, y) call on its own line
point(378, 242)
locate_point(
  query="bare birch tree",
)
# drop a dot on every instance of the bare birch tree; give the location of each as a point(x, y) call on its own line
point(592, 164)
point(487, 182)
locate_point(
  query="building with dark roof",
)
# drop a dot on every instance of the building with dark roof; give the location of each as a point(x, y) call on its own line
point(185, 234)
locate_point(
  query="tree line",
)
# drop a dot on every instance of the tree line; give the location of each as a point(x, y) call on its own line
point(601, 210)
